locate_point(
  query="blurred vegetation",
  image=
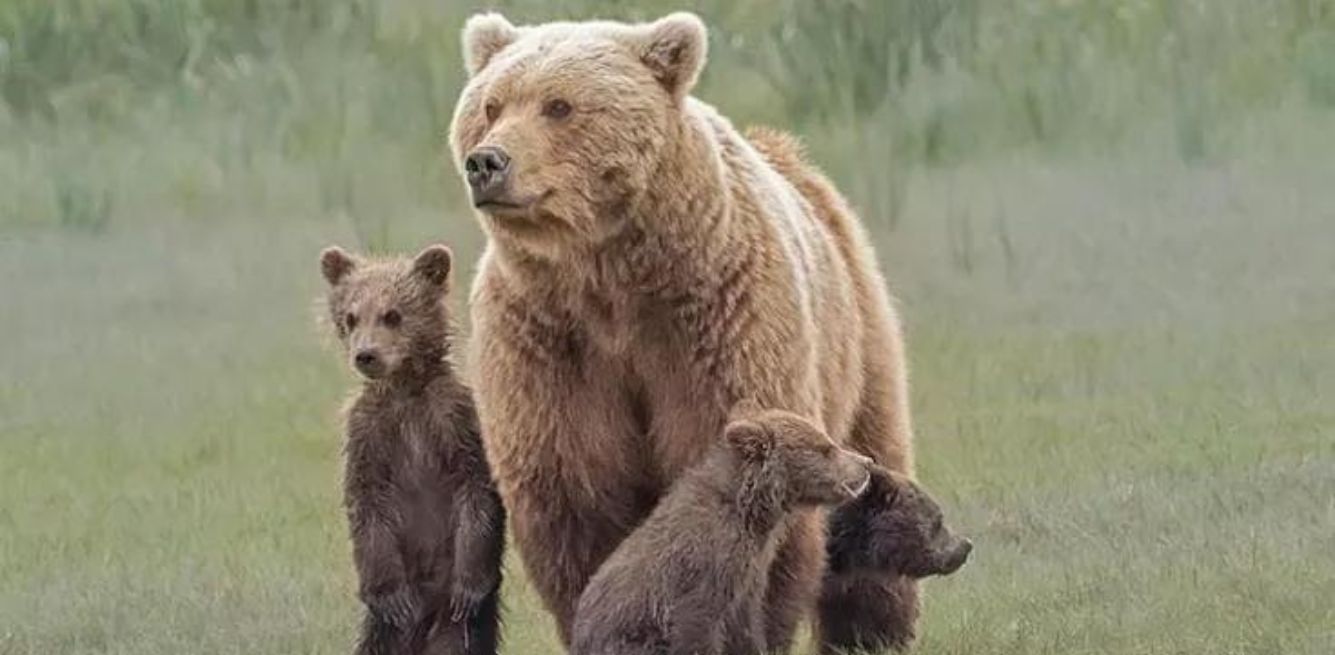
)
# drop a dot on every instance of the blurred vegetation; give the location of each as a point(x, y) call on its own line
point(227, 107)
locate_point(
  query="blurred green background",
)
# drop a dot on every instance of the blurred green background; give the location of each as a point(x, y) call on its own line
point(1111, 224)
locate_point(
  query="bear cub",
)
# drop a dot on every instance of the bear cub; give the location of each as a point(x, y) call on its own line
point(691, 579)
point(426, 521)
point(895, 527)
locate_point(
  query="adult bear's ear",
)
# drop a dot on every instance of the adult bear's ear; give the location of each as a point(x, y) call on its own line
point(433, 264)
point(749, 438)
point(674, 48)
point(335, 264)
point(485, 35)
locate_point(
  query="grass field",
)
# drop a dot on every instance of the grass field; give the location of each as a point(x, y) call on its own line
point(1118, 274)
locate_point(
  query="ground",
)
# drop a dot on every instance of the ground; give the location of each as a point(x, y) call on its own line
point(1122, 380)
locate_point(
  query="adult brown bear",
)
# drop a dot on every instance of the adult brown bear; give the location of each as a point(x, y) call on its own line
point(647, 267)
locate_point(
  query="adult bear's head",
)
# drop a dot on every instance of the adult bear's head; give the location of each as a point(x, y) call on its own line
point(562, 126)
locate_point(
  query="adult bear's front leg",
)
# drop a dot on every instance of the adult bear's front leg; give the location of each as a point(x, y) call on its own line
point(560, 439)
point(562, 541)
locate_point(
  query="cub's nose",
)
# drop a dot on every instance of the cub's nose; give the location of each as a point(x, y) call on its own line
point(367, 361)
point(958, 556)
point(487, 169)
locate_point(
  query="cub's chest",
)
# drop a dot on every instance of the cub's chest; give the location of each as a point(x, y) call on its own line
point(416, 450)
point(412, 441)
point(423, 442)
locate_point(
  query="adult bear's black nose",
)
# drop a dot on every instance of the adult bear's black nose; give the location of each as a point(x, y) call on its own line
point(487, 169)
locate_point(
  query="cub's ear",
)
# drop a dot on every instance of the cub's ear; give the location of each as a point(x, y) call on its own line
point(433, 264)
point(749, 438)
point(335, 264)
point(898, 487)
point(674, 48)
point(484, 36)
point(888, 486)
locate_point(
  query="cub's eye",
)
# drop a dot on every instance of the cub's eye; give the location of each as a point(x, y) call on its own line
point(391, 319)
point(493, 110)
point(350, 321)
point(557, 108)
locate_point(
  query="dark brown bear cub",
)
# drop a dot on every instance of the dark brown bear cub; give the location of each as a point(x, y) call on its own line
point(895, 527)
point(691, 579)
point(426, 521)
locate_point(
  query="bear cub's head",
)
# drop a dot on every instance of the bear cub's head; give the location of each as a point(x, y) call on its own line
point(390, 314)
point(894, 526)
point(794, 461)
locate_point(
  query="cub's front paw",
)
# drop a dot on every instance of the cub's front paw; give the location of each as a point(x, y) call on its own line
point(399, 606)
point(466, 598)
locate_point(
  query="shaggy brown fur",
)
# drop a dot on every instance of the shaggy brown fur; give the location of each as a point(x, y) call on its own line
point(705, 551)
point(646, 268)
point(426, 522)
point(894, 528)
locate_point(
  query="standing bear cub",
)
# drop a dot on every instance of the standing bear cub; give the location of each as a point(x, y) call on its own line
point(691, 580)
point(426, 521)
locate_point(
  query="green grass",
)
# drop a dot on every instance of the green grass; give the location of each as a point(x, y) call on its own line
point(1145, 458)
point(1110, 225)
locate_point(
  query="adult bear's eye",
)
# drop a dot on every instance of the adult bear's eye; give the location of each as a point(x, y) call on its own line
point(557, 109)
point(493, 110)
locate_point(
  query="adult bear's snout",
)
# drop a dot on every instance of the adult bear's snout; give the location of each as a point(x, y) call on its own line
point(487, 169)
